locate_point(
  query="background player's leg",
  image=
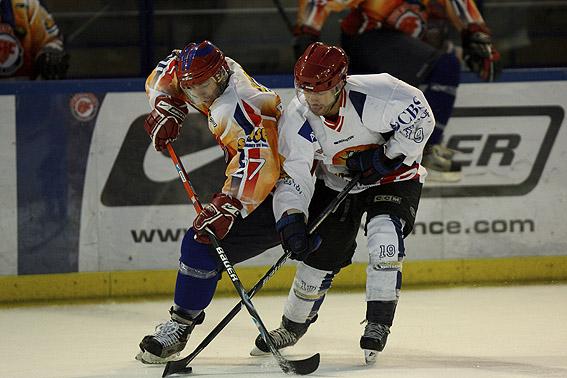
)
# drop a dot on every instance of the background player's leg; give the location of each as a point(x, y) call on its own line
point(440, 90)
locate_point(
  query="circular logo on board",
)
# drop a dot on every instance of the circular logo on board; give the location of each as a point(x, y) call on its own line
point(84, 106)
point(11, 53)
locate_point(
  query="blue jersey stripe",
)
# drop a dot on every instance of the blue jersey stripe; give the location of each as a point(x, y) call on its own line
point(358, 100)
point(242, 120)
point(307, 132)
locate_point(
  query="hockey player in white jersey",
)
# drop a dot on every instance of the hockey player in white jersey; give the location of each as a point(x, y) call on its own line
point(339, 126)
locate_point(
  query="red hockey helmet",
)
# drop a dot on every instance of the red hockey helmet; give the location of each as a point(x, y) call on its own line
point(320, 68)
point(198, 62)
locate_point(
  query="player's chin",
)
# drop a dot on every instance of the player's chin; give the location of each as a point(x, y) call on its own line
point(207, 101)
point(317, 109)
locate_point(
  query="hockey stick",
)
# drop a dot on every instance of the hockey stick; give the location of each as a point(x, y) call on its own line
point(180, 366)
point(306, 366)
point(284, 16)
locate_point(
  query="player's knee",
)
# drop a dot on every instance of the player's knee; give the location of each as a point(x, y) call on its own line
point(311, 284)
point(385, 243)
point(196, 260)
point(386, 249)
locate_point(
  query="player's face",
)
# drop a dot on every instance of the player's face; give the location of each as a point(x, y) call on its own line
point(322, 103)
point(205, 92)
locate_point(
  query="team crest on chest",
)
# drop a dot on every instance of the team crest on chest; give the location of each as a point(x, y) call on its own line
point(341, 157)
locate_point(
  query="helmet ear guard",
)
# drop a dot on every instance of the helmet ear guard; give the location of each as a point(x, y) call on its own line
point(198, 62)
point(320, 68)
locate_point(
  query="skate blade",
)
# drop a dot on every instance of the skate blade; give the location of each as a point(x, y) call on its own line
point(256, 352)
point(370, 356)
point(150, 359)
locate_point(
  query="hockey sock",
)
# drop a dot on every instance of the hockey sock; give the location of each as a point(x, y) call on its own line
point(441, 91)
point(381, 312)
point(307, 293)
point(197, 277)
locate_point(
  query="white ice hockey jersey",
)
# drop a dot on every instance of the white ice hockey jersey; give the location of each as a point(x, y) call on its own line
point(375, 110)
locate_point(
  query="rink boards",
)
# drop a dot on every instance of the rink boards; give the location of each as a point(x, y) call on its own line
point(89, 209)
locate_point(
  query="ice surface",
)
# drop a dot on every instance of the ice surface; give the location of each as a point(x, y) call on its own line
point(517, 331)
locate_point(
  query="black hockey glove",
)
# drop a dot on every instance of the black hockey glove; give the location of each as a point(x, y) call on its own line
point(478, 52)
point(52, 63)
point(373, 164)
point(295, 236)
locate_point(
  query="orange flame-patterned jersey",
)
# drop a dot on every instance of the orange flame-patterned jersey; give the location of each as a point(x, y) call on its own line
point(243, 121)
point(25, 29)
point(372, 14)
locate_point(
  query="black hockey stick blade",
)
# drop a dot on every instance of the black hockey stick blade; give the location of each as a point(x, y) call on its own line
point(302, 367)
point(176, 367)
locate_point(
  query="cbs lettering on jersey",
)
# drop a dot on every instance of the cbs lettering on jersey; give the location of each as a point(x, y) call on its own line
point(410, 119)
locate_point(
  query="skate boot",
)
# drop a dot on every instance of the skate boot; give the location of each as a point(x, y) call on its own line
point(285, 336)
point(169, 338)
point(443, 151)
point(440, 166)
point(373, 340)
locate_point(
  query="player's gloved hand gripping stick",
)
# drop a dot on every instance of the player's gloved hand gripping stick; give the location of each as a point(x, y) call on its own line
point(302, 367)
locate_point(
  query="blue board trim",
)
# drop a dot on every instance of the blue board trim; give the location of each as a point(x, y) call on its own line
point(271, 81)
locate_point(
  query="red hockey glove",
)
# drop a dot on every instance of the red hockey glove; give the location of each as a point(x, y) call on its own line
point(218, 216)
point(409, 17)
point(373, 164)
point(163, 124)
point(479, 53)
point(295, 237)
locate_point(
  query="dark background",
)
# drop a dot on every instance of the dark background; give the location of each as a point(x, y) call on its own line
point(127, 38)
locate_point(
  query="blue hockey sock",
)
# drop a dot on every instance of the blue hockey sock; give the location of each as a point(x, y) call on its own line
point(441, 92)
point(197, 276)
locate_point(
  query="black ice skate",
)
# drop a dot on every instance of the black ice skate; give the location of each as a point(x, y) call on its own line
point(373, 340)
point(169, 339)
point(285, 336)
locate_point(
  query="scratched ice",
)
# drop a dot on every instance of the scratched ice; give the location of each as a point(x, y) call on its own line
point(517, 331)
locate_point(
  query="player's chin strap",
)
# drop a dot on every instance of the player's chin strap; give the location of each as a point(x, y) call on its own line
point(302, 367)
point(180, 366)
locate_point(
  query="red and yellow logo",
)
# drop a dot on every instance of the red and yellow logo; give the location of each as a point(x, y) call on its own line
point(341, 157)
point(84, 106)
point(11, 51)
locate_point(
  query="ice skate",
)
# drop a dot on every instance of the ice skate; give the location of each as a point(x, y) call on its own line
point(373, 340)
point(440, 166)
point(168, 340)
point(285, 336)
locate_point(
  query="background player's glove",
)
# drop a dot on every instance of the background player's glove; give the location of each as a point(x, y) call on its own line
point(52, 63)
point(295, 236)
point(218, 216)
point(303, 37)
point(479, 53)
point(373, 164)
point(163, 124)
point(409, 17)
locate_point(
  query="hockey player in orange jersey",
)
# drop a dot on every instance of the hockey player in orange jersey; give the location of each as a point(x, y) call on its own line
point(31, 45)
point(407, 39)
point(242, 117)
